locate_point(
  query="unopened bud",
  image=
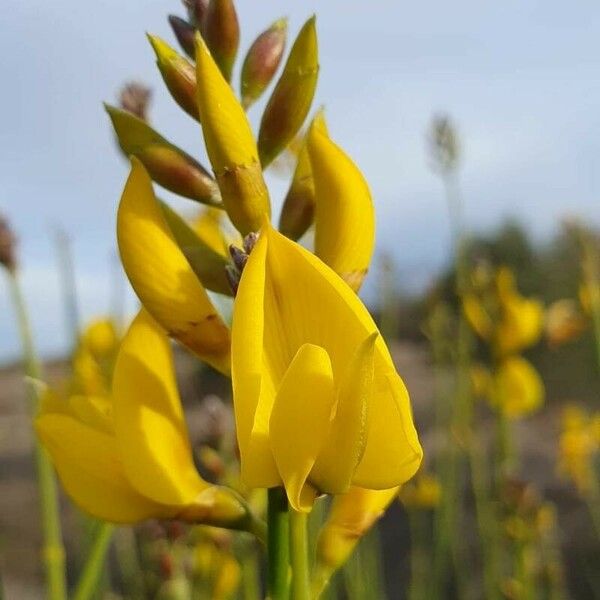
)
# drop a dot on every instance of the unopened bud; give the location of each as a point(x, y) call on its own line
point(184, 32)
point(8, 243)
point(178, 74)
point(445, 150)
point(262, 61)
point(167, 165)
point(233, 278)
point(196, 11)
point(221, 32)
point(230, 146)
point(250, 241)
point(135, 98)
point(292, 97)
point(239, 257)
point(297, 213)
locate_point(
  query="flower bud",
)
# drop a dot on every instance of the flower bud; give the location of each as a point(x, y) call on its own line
point(291, 99)
point(196, 11)
point(262, 60)
point(178, 74)
point(184, 32)
point(230, 146)
point(8, 243)
point(135, 98)
point(298, 210)
point(221, 32)
point(170, 167)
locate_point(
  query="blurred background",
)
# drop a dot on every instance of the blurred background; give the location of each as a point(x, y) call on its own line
point(517, 80)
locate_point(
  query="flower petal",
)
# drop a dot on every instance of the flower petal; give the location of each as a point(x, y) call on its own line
point(300, 420)
point(518, 387)
point(393, 453)
point(347, 438)
point(287, 298)
point(149, 422)
point(344, 213)
point(90, 470)
point(162, 277)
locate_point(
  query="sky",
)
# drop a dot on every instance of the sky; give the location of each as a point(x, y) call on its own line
point(520, 78)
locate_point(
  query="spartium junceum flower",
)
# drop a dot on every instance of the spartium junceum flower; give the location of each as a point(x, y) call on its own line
point(126, 457)
point(319, 405)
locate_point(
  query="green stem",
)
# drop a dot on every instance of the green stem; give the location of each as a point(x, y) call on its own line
point(278, 545)
point(418, 559)
point(53, 553)
point(300, 588)
point(250, 572)
point(92, 570)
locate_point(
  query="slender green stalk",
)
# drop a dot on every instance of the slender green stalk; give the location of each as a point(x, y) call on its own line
point(128, 560)
point(94, 564)
point(300, 588)
point(278, 545)
point(53, 553)
point(250, 571)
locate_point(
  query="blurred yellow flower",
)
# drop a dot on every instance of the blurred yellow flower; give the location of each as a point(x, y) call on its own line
point(422, 491)
point(579, 446)
point(517, 388)
point(319, 406)
point(127, 457)
point(564, 322)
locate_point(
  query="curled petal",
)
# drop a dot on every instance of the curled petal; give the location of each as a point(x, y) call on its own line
point(162, 277)
point(149, 423)
point(344, 214)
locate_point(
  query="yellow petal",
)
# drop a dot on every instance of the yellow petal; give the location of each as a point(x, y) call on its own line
point(149, 422)
point(350, 517)
point(100, 338)
point(519, 389)
point(209, 228)
point(230, 145)
point(477, 316)
point(344, 214)
point(344, 449)
point(287, 298)
point(94, 411)
point(90, 470)
point(162, 277)
point(300, 421)
point(522, 324)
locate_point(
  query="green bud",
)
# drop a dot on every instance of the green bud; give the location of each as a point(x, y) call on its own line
point(262, 61)
point(291, 99)
point(167, 165)
point(298, 211)
point(179, 75)
point(208, 265)
point(221, 32)
point(184, 32)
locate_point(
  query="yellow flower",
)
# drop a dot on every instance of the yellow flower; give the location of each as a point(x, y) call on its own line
point(127, 457)
point(344, 213)
point(162, 276)
point(521, 325)
point(422, 491)
point(319, 406)
point(350, 517)
point(517, 388)
point(230, 145)
point(477, 317)
point(578, 446)
point(100, 337)
point(564, 322)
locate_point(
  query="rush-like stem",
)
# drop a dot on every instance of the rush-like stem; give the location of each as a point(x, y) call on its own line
point(53, 553)
point(278, 545)
point(300, 588)
point(94, 564)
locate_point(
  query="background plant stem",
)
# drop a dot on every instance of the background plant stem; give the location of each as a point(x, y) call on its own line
point(277, 544)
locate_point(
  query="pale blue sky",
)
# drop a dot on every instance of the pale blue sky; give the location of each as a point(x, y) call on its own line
point(521, 78)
